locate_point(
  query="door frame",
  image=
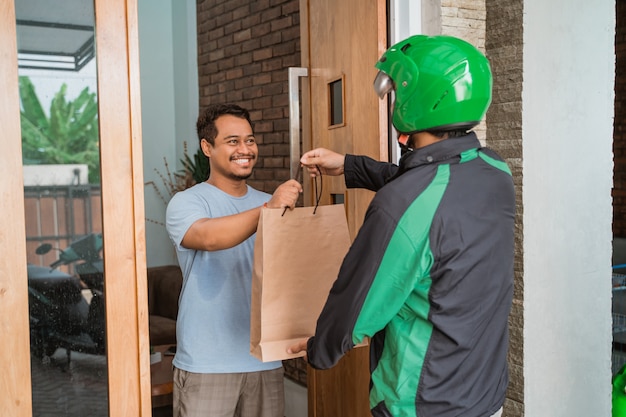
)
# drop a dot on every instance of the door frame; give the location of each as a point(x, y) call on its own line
point(122, 215)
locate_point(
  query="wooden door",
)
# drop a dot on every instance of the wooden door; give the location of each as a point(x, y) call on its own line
point(123, 220)
point(341, 42)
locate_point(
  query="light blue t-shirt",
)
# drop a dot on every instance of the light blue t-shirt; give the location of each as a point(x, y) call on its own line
point(213, 326)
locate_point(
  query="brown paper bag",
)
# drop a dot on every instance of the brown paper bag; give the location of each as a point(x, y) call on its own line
point(296, 261)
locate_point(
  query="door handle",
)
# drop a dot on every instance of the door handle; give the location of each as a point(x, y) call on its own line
point(294, 119)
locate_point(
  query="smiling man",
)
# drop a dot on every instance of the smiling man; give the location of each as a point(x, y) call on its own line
point(212, 226)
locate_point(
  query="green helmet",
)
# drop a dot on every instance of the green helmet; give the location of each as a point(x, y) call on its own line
point(440, 83)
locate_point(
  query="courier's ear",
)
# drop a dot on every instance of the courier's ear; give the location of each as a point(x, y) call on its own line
point(206, 147)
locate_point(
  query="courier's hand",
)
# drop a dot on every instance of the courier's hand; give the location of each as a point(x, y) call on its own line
point(286, 195)
point(323, 161)
point(299, 347)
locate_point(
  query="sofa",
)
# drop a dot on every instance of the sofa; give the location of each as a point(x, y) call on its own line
point(164, 284)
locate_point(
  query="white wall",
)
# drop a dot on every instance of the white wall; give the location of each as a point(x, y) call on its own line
point(567, 208)
point(56, 174)
point(169, 101)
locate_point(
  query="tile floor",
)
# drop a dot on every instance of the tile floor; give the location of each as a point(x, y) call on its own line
point(75, 390)
point(80, 389)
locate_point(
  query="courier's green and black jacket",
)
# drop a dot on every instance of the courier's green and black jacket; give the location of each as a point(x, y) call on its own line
point(430, 278)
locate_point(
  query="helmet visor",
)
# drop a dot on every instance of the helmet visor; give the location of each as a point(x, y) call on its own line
point(383, 84)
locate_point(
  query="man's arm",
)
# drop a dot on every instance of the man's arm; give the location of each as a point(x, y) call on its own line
point(211, 234)
point(359, 171)
point(365, 172)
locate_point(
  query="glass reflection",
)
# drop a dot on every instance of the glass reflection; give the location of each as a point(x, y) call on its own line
point(60, 147)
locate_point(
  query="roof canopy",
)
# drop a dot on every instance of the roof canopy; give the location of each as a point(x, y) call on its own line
point(57, 35)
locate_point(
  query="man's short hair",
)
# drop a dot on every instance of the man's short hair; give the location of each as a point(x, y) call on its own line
point(205, 125)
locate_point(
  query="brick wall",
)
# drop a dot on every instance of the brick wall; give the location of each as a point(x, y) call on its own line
point(503, 44)
point(464, 19)
point(244, 50)
point(619, 128)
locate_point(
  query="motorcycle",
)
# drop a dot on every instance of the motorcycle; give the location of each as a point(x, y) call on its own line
point(60, 315)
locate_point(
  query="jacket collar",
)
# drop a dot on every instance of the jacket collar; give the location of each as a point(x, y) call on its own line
point(439, 151)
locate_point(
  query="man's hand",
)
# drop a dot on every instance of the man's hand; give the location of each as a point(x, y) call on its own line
point(323, 161)
point(286, 195)
point(299, 347)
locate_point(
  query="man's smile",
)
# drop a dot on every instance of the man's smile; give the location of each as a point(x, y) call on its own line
point(243, 161)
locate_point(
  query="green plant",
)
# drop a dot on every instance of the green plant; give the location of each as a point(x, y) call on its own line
point(69, 135)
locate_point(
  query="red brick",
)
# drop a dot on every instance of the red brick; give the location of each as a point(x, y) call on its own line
point(264, 53)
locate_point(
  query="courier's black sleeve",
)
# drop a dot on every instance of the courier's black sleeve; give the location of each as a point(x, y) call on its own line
point(365, 172)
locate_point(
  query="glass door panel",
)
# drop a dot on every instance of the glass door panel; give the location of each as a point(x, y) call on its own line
point(63, 210)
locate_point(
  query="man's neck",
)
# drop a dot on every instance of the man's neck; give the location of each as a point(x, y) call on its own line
point(236, 188)
point(422, 139)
